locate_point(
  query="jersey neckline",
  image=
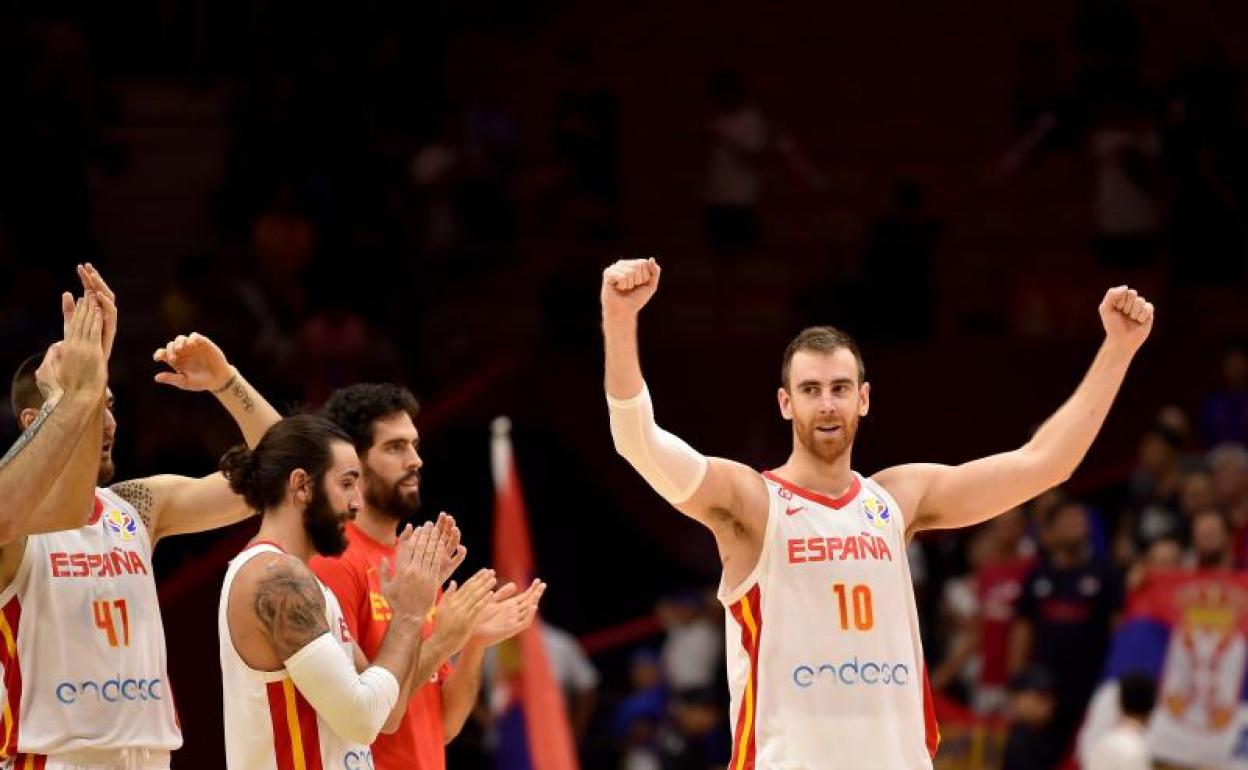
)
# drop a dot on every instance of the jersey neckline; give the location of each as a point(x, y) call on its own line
point(839, 502)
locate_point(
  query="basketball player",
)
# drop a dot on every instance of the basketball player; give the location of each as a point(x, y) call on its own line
point(298, 691)
point(84, 655)
point(825, 660)
point(380, 419)
point(66, 432)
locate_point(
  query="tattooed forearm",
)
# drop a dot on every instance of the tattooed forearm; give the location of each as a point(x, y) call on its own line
point(239, 389)
point(290, 606)
point(140, 496)
point(28, 435)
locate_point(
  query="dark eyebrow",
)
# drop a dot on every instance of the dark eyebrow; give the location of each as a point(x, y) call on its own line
point(816, 383)
point(351, 475)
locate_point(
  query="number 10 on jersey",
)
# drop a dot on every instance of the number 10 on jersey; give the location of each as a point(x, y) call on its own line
point(105, 613)
point(855, 606)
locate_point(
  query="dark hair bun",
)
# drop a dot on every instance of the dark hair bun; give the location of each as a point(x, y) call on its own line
point(238, 465)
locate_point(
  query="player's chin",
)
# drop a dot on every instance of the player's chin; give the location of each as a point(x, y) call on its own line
point(106, 471)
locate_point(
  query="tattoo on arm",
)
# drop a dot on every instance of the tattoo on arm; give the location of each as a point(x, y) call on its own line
point(140, 496)
point(240, 392)
point(290, 606)
point(28, 435)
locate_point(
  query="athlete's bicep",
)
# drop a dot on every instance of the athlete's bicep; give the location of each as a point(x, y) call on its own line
point(731, 495)
point(934, 496)
point(176, 505)
point(289, 605)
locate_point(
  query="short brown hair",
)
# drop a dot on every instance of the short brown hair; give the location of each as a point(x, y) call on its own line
point(821, 339)
point(24, 392)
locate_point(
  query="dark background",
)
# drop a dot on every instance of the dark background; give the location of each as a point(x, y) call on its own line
point(427, 192)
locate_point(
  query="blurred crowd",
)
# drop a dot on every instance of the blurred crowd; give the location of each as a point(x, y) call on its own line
point(358, 162)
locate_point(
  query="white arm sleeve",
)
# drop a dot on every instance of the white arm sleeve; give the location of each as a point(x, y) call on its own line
point(354, 705)
point(671, 466)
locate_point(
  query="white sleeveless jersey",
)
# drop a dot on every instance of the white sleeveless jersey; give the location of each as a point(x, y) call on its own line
point(83, 648)
point(268, 723)
point(825, 663)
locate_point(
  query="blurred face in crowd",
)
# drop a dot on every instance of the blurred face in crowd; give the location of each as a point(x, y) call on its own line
point(1164, 555)
point(1230, 477)
point(1033, 708)
point(1156, 454)
point(1008, 531)
point(1235, 370)
point(1211, 542)
point(1197, 493)
point(392, 468)
point(1068, 530)
point(824, 401)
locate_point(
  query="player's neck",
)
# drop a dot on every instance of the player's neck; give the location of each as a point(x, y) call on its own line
point(379, 528)
point(810, 472)
point(285, 530)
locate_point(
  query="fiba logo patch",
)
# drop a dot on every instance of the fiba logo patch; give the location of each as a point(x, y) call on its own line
point(876, 511)
point(120, 524)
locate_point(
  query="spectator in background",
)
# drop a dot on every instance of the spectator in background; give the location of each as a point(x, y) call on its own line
point(1211, 541)
point(1069, 601)
point(1124, 747)
point(1153, 494)
point(698, 737)
point(639, 715)
point(1228, 463)
point(1032, 705)
point(693, 651)
point(998, 584)
point(1164, 554)
point(1224, 416)
point(742, 139)
point(1125, 150)
point(577, 678)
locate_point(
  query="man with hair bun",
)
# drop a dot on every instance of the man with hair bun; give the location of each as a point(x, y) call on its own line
point(298, 692)
point(825, 661)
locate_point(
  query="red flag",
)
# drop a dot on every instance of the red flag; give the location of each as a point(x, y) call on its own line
point(551, 746)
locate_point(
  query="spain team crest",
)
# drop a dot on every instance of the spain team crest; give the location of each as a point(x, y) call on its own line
point(120, 524)
point(876, 511)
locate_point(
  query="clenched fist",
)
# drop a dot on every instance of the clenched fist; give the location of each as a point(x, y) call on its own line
point(1127, 317)
point(628, 285)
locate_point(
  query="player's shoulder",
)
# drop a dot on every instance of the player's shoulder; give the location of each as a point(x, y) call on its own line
point(273, 567)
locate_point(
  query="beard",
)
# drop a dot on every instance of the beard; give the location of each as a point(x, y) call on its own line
point(1210, 558)
point(105, 473)
point(826, 448)
point(390, 500)
point(323, 524)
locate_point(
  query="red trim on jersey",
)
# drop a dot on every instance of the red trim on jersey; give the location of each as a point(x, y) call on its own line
point(749, 616)
point(12, 679)
point(266, 542)
point(309, 731)
point(282, 746)
point(931, 730)
point(97, 511)
point(31, 762)
point(815, 497)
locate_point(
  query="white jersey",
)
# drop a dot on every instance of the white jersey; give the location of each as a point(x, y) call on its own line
point(268, 723)
point(825, 663)
point(83, 647)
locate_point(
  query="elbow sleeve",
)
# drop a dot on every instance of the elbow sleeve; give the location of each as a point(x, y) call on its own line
point(673, 468)
point(354, 705)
